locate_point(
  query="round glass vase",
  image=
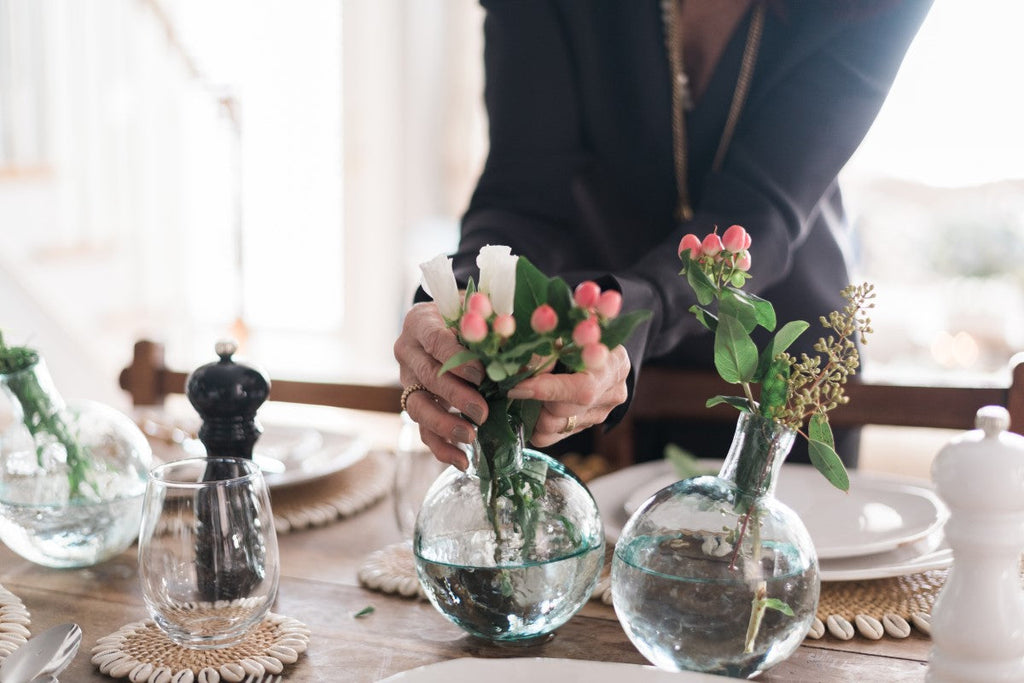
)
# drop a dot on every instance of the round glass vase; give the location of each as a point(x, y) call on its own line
point(714, 573)
point(508, 553)
point(72, 476)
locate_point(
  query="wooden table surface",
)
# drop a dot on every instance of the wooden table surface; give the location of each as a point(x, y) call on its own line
point(319, 587)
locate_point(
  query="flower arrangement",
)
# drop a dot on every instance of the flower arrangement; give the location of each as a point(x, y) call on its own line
point(797, 393)
point(518, 323)
point(42, 417)
point(794, 391)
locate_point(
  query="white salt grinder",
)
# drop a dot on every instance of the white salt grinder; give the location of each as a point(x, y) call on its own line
point(978, 617)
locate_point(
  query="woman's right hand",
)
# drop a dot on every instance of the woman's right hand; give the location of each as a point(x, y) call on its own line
point(423, 346)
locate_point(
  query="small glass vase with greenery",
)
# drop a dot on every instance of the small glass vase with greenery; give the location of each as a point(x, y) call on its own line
point(713, 573)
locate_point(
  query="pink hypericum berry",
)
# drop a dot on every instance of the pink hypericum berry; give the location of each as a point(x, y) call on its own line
point(594, 356)
point(609, 305)
point(586, 332)
point(711, 246)
point(480, 303)
point(735, 239)
point(742, 262)
point(544, 319)
point(586, 294)
point(473, 327)
point(504, 325)
point(691, 243)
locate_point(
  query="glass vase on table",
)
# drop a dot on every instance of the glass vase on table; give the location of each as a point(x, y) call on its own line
point(714, 573)
point(72, 475)
point(512, 548)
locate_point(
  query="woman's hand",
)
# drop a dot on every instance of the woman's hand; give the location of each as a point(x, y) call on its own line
point(577, 400)
point(423, 346)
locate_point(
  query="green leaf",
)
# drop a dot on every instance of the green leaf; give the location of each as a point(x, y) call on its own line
point(764, 309)
point(529, 412)
point(702, 286)
point(705, 317)
point(736, 304)
point(496, 371)
point(782, 340)
point(826, 461)
point(617, 330)
point(559, 297)
point(735, 352)
point(365, 612)
point(531, 292)
point(737, 402)
point(684, 463)
point(458, 359)
point(774, 387)
point(819, 429)
point(778, 605)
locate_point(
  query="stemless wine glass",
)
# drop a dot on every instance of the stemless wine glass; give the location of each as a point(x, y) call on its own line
point(416, 468)
point(208, 558)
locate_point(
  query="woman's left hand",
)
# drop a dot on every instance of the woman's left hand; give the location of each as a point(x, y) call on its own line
point(575, 401)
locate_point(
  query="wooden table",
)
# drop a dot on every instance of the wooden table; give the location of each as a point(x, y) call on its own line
point(319, 587)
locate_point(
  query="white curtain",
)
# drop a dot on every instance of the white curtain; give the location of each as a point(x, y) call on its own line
point(199, 168)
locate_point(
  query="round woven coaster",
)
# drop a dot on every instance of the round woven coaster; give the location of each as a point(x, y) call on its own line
point(391, 570)
point(339, 495)
point(14, 621)
point(142, 653)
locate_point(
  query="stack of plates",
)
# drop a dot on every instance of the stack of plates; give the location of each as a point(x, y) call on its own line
point(884, 526)
point(287, 454)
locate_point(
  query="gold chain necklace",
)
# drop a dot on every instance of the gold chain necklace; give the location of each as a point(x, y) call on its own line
point(681, 98)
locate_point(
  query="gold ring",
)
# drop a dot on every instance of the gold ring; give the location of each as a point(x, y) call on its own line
point(570, 425)
point(409, 391)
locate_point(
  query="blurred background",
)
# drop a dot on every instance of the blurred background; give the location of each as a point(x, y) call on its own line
point(186, 170)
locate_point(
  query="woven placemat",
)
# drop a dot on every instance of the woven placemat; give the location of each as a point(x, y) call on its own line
point(142, 653)
point(874, 609)
point(330, 498)
point(14, 622)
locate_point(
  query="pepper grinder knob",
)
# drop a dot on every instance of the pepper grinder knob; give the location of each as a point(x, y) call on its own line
point(227, 395)
point(978, 617)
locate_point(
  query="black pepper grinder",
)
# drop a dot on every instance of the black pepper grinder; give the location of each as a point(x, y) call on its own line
point(226, 395)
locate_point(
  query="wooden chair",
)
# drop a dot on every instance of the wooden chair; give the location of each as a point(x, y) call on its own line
point(662, 394)
point(149, 381)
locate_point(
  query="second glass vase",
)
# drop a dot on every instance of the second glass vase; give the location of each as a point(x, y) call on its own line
point(509, 552)
point(714, 573)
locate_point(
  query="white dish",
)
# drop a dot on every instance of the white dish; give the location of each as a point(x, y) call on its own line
point(880, 515)
point(543, 670)
point(930, 552)
point(290, 455)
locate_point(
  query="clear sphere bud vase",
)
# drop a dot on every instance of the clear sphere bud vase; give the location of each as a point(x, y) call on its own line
point(72, 476)
point(714, 573)
point(512, 548)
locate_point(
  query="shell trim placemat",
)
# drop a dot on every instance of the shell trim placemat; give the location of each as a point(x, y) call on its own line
point(142, 653)
point(14, 622)
point(336, 496)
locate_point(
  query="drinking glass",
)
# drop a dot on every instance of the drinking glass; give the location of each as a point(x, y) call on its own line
point(208, 558)
point(416, 468)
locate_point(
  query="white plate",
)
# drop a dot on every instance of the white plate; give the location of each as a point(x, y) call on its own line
point(930, 552)
point(543, 670)
point(878, 515)
point(290, 455)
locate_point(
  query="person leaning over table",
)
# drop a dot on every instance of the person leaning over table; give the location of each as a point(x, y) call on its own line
point(586, 178)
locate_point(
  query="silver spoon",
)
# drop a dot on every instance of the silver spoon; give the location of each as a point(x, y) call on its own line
point(47, 653)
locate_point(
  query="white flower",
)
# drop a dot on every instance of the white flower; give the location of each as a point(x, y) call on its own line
point(439, 281)
point(498, 277)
